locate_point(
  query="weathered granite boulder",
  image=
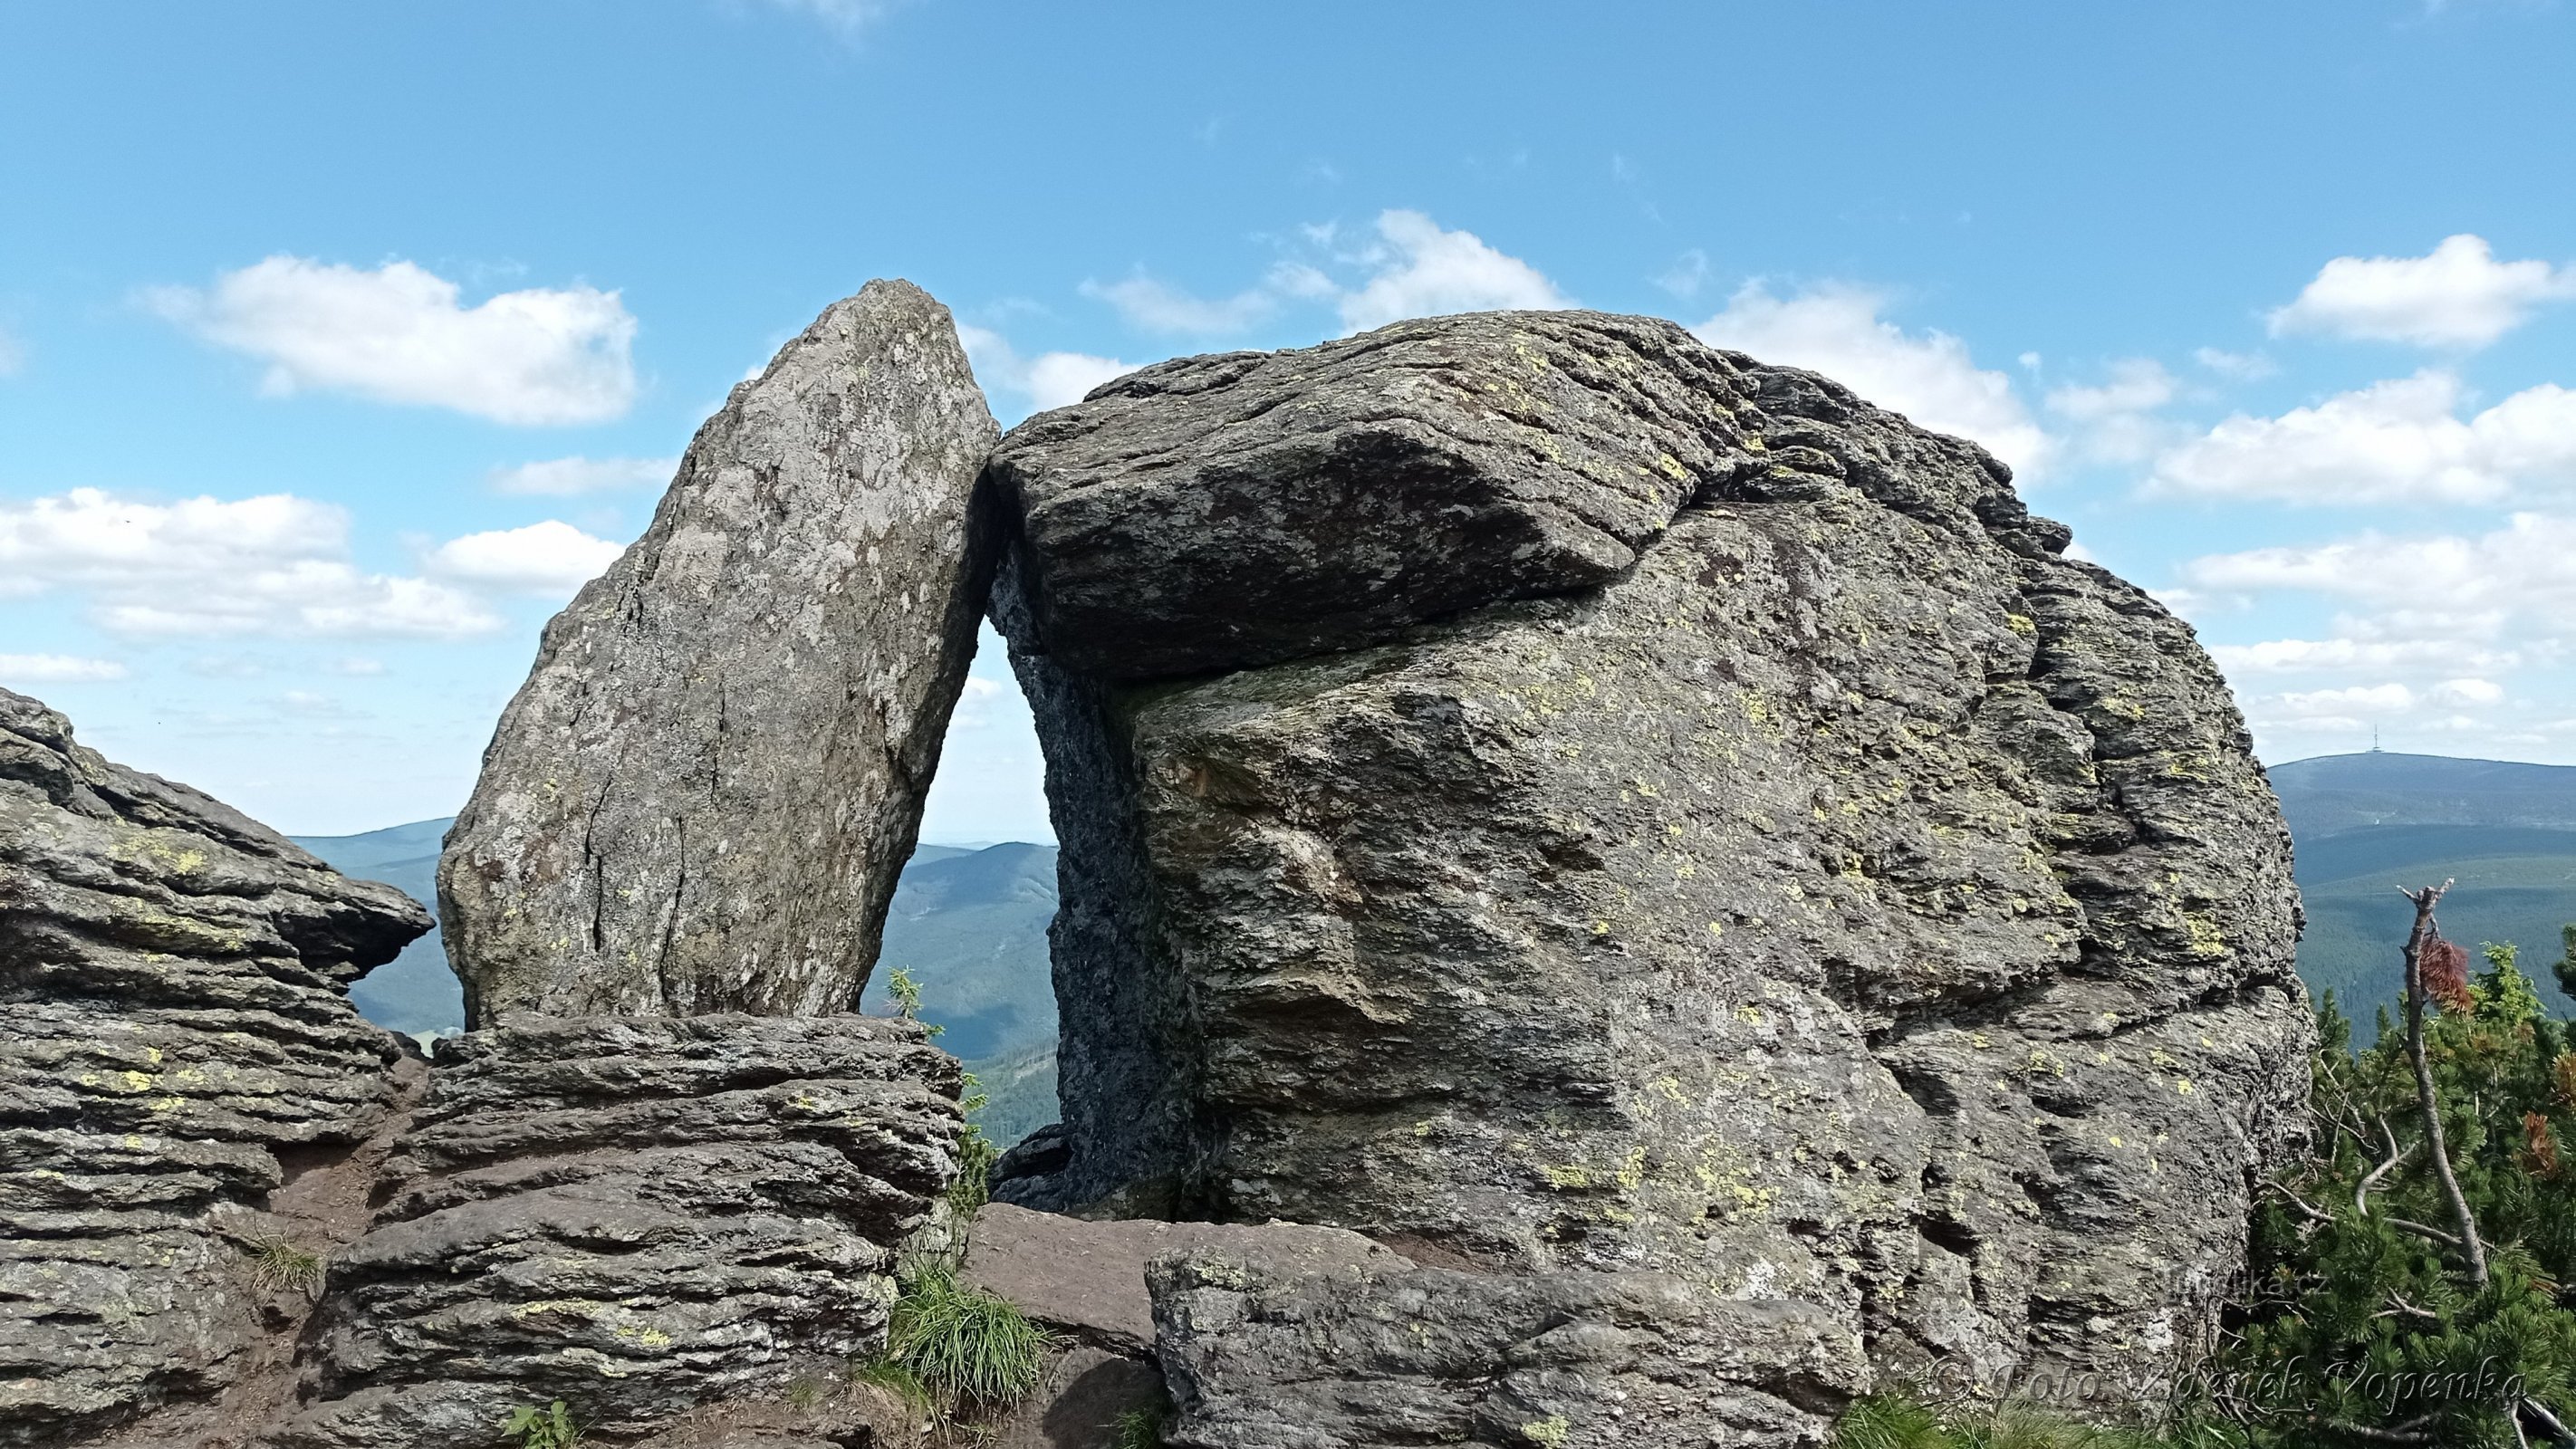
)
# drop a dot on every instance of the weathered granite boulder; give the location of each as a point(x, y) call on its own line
point(181, 1076)
point(701, 798)
point(635, 1216)
point(1263, 1353)
point(1850, 904)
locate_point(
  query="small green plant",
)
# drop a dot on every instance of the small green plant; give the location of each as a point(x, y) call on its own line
point(906, 991)
point(1139, 1429)
point(277, 1264)
point(805, 1395)
point(1547, 1433)
point(551, 1427)
point(965, 1345)
point(976, 1155)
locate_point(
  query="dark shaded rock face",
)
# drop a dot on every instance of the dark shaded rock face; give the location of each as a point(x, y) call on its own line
point(1829, 897)
point(176, 1050)
point(636, 1216)
point(1216, 512)
point(702, 797)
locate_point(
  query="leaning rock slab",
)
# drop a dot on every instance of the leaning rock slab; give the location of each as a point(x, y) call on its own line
point(1270, 1354)
point(175, 1046)
point(701, 798)
point(636, 1216)
point(1853, 903)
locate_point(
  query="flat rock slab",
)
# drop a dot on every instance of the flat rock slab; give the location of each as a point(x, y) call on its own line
point(174, 1033)
point(1267, 1354)
point(1217, 512)
point(1087, 1279)
point(702, 796)
point(636, 1216)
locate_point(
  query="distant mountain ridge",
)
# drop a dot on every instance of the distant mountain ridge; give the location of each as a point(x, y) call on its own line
point(969, 923)
point(2333, 793)
point(2366, 824)
point(414, 993)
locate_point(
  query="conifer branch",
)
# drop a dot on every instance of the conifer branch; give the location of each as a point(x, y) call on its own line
point(2426, 932)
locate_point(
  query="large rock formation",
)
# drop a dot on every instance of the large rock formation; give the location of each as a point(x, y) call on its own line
point(181, 1074)
point(702, 797)
point(1665, 814)
point(637, 1217)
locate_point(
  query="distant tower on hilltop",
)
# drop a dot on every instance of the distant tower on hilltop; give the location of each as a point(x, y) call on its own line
point(2374, 739)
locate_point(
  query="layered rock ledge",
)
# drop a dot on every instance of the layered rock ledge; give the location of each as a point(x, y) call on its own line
point(180, 1073)
point(636, 1216)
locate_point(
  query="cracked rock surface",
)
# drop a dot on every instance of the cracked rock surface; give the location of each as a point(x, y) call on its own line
point(177, 1053)
point(1831, 897)
point(636, 1216)
point(1263, 1352)
point(702, 796)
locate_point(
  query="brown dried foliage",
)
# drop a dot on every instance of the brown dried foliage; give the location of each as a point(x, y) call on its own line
point(2539, 1147)
point(2445, 965)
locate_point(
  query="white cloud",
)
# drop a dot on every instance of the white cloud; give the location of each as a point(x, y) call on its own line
point(2527, 566)
point(208, 568)
point(2468, 692)
point(1157, 307)
point(1049, 380)
point(1835, 329)
point(398, 334)
point(1424, 271)
point(551, 560)
point(566, 477)
point(2459, 296)
point(2137, 385)
point(56, 669)
point(2391, 442)
point(2241, 366)
point(2345, 703)
point(847, 16)
point(1687, 274)
point(2116, 421)
point(13, 355)
point(2350, 655)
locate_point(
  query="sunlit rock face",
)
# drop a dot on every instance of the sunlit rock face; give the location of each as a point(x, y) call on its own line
point(1539, 787)
point(701, 798)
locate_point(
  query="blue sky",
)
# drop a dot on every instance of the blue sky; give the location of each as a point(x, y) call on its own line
point(339, 343)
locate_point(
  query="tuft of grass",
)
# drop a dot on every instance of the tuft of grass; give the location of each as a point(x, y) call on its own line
point(551, 1427)
point(966, 1345)
point(1894, 1421)
point(898, 1381)
point(276, 1263)
point(805, 1395)
point(1138, 1429)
